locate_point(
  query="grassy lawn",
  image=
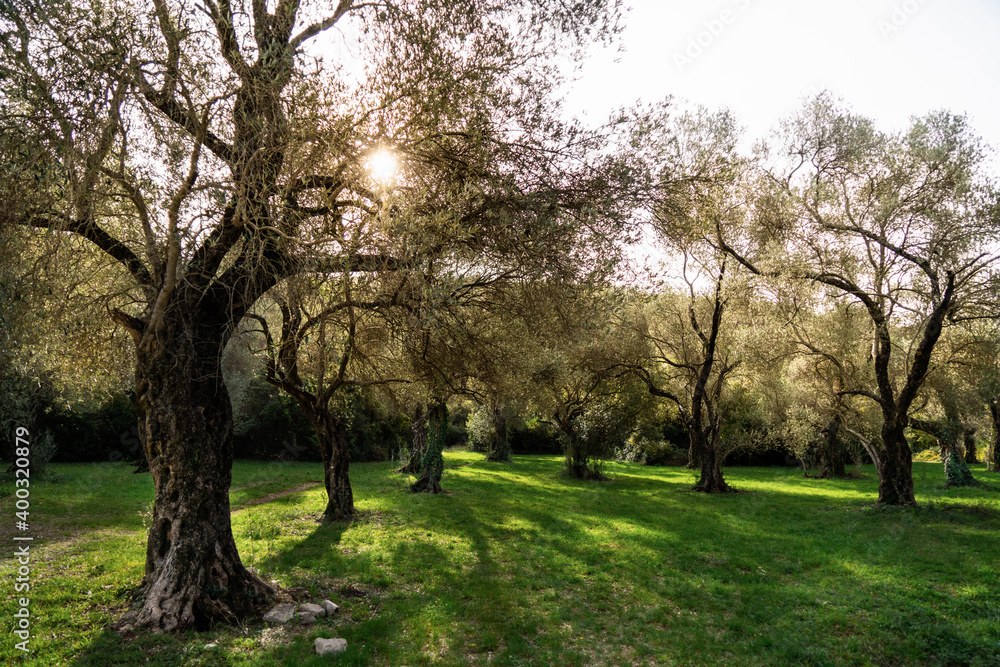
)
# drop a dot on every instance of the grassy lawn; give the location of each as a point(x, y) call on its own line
point(519, 565)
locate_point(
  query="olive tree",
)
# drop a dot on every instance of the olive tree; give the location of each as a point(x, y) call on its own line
point(902, 223)
point(208, 152)
point(688, 351)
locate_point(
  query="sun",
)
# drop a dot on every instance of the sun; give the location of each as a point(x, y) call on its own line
point(383, 166)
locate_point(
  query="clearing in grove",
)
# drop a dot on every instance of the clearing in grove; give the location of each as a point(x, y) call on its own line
point(520, 565)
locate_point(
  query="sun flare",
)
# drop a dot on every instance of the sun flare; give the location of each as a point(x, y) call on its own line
point(383, 166)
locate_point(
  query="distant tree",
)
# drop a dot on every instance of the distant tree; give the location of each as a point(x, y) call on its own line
point(904, 224)
point(697, 173)
point(330, 338)
point(568, 356)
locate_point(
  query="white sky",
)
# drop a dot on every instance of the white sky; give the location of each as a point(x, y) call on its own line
point(888, 59)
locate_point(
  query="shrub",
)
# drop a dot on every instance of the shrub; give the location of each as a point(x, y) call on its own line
point(270, 426)
point(373, 433)
point(479, 427)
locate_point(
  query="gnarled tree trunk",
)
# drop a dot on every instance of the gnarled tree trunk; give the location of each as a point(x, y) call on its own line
point(332, 439)
point(432, 464)
point(193, 573)
point(969, 440)
point(895, 464)
point(500, 445)
point(833, 453)
point(705, 445)
point(576, 456)
point(418, 442)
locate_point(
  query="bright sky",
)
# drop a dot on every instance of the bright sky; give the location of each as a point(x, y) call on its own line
point(888, 59)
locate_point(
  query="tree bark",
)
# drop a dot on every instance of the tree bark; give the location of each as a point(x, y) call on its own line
point(969, 440)
point(193, 573)
point(896, 466)
point(500, 446)
point(332, 438)
point(833, 453)
point(706, 448)
point(418, 443)
point(576, 457)
point(994, 460)
point(432, 464)
point(692, 463)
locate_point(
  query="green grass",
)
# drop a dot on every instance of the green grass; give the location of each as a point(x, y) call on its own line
point(519, 565)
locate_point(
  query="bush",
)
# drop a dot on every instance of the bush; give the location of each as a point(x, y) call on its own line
point(457, 435)
point(269, 426)
point(479, 427)
point(373, 433)
point(928, 456)
point(63, 433)
point(652, 452)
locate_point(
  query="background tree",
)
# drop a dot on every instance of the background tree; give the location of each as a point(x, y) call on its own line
point(331, 337)
point(697, 173)
point(901, 223)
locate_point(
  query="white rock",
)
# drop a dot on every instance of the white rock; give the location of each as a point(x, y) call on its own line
point(331, 608)
point(313, 609)
point(307, 619)
point(280, 613)
point(330, 646)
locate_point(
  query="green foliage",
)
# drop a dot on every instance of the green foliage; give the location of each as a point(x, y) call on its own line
point(651, 452)
point(532, 436)
point(268, 425)
point(480, 428)
point(957, 471)
point(373, 433)
point(929, 455)
point(457, 435)
point(659, 438)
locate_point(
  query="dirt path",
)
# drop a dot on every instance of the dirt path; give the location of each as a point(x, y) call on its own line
point(274, 496)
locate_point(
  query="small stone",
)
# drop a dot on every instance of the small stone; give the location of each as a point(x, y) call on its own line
point(210, 645)
point(280, 613)
point(330, 646)
point(307, 619)
point(330, 608)
point(310, 608)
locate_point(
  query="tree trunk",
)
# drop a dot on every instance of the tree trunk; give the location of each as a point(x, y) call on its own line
point(833, 453)
point(136, 445)
point(418, 444)
point(193, 573)
point(576, 457)
point(896, 466)
point(432, 465)
point(332, 438)
point(500, 446)
point(705, 446)
point(692, 463)
point(969, 440)
point(994, 459)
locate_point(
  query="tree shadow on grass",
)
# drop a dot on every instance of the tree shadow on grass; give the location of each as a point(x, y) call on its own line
point(520, 564)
